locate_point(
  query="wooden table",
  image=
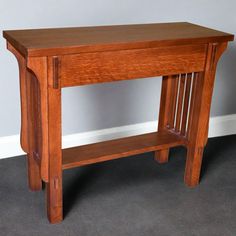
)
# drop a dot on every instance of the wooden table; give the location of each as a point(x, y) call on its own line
point(185, 55)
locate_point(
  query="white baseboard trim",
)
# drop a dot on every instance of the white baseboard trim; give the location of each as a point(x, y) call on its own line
point(219, 126)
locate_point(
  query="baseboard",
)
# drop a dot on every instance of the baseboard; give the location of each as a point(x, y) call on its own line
point(219, 126)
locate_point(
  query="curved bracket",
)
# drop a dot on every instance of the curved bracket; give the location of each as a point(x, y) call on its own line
point(216, 50)
point(22, 73)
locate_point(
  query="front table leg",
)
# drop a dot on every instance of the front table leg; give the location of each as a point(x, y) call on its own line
point(54, 186)
point(199, 114)
point(198, 123)
point(50, 153)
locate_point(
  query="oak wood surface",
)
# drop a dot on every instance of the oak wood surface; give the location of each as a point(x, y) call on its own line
point(88, 68)
point(54, 185)
point(165, 110)
point(57, 41)
point(199, 114)
point(107, 150)
point(33, 134)
point(38, 67)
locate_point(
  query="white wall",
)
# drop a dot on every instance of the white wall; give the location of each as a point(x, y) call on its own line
point(108, 105)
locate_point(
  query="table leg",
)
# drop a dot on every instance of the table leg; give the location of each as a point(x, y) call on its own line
point(54, 186)
point(199, 114)
point(166, 112)
point(34, 180)
point(50, 153)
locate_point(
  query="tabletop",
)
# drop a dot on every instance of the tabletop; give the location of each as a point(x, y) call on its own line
point(59, 41)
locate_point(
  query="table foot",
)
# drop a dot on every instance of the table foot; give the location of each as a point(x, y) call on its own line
point(54, 200)
point(193, 166)
point(34, 179)
point(162, 156)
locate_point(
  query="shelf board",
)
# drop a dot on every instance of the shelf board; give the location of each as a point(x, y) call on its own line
point(123, 147)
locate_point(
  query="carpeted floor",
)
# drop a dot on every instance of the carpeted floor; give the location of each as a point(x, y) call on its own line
point(133, 196)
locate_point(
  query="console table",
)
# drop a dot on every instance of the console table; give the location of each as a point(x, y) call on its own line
point(185, 55)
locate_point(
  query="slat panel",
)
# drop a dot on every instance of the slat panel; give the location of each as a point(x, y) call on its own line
point(88, 68)
point(108, 150)
point(180, 102)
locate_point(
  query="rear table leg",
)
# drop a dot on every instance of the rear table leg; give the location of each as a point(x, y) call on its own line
point(166, 112)
point(162, 156)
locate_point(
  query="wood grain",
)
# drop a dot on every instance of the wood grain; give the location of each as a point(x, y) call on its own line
point(34, 167)
point(54, 185)
point(199, 114)
point(165, 110)
point(108, 150)
point(38, 67)
point(89, 68)
point(23, 97)
point(59, 41)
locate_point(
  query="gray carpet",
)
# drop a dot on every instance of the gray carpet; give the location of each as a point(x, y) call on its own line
point(132, 196)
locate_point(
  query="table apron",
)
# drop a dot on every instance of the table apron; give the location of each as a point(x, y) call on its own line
point(97, 67)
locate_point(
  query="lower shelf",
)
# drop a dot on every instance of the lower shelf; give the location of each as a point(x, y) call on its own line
point(113, 149)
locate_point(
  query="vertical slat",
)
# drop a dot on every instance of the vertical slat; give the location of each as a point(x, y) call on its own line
point(193, 98)
point(180, 102)
point(174, 93)
point(186, 104)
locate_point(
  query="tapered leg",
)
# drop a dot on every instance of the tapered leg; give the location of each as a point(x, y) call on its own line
point(193, 166)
